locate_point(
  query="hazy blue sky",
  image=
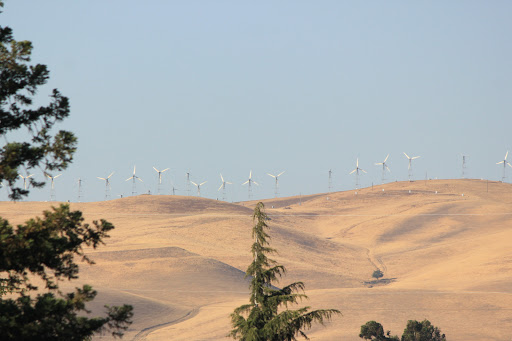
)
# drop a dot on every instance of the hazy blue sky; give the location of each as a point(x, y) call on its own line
point(300, 86)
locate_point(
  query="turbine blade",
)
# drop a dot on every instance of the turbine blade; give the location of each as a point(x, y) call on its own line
point(56, 176)
point(129, 178)
point(281, 173)
point(108, 177)
point(406, 155)
point(245, 182)
point(221, 177)
point(193, 183)
point(250, 174)
point(271, 175)
point(101, 178)
point(165, 170)
point(506, 155)
point(139, 179)
point(500, 162)
point(386, 159)
point(254, 182)
point(362, 170)
point(220, 187)
point(357, 162)
point(389, 170)
point(21, 176)
point(353, 171)
point(203, 183)
point(416, 157)
point(156, 169)
point(509, 164)
point(380, 163)
point(229, 183)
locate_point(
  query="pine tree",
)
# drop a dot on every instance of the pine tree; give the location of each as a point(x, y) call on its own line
point(267, 317)
point(42, 249)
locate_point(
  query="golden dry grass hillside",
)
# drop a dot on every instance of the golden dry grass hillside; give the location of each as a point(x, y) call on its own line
point(443, 245)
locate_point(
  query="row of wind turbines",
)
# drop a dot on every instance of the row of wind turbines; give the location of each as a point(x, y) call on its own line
point(357, 171)
point(222, 187)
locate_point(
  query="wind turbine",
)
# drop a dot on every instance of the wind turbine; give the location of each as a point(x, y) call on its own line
point(107, 185)
point(160, 177)
point(464, 159)
point(330, 180)
point(505, 163)
point(410, 164)
point(250, 181)
point(223, 186)
point(277, 182)
point(173, 189)
point(25, 179)
point(79, 182)
point(188, 183)
point(52, 192)
point(384, 168)
point(356, 170)
point(133, 177)
point(198, 187)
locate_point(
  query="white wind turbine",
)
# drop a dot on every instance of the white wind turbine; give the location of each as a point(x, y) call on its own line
point(384, 168)
point(250, 181)
point(52, 192)
point(198, 187)
point(505, 163)
point(223, 187)
point(25, 185)
point(160, 177)
point(356, 170)
point(188, 182)
point(107, 185)
point(329, 184)
point(79, 182)
point(276, 189)
point(410, 164)
point(133, 177)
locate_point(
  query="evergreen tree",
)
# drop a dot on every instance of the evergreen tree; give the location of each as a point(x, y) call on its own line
point(42, 248)
point(267, 317)
point(422, 331)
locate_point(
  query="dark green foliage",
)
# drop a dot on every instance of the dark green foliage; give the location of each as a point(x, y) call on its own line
point(415, 331)
point(18, 85)
point(266, 317)
point(48, 317)
point(422, 331)
point(377, 274)
point(46, 247)
point(373, 330)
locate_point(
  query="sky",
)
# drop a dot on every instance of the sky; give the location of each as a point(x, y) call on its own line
point(210, 87)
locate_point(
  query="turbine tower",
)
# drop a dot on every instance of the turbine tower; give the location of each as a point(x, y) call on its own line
point(173, 189)
point(410, 164)
point(330, 180)
point(250, 181)
point(505, 163)
point(159, 178)
point(52, 191)
point(133, 177)
point(25, 185)
point(223, 186)
point(276, 190)
point(107, 185)
point(79, 182)
point(356, 170)
point(198, 187)
point(188, 183)
point(464, 167)
point(384, 168)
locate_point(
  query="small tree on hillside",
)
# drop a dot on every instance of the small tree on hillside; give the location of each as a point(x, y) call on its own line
point(422, 331)
point(373, 330)
point(377, 274)
point(266, 317)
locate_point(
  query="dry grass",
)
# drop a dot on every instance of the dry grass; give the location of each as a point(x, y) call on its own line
point(181, 260)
